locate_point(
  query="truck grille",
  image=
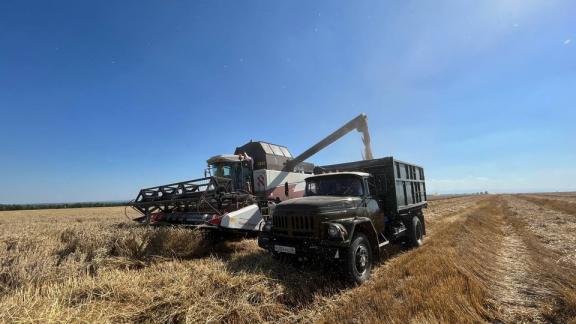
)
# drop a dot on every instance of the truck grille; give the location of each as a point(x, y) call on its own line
point(293, 223)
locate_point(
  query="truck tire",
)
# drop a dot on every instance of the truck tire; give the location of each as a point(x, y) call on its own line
point(358, 262)
point(415, 232)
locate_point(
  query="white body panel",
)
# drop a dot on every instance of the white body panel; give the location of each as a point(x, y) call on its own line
point(272, 182)
point(248, 218)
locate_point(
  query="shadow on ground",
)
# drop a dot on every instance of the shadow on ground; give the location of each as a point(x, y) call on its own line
point(303, 282)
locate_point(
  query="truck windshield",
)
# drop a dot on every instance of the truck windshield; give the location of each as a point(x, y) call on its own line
point(334, 186)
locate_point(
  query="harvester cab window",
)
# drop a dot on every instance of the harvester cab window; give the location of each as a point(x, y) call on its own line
point(222, 171)
point(238, 177)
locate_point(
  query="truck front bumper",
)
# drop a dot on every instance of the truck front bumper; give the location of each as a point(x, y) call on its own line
point(302, 248)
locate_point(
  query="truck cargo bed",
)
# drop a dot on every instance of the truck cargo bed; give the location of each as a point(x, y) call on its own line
point(399, 185)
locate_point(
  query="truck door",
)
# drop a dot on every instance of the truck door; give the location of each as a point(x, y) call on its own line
point(373, 209)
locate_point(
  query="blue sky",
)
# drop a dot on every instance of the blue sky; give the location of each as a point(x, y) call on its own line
point(100, 98)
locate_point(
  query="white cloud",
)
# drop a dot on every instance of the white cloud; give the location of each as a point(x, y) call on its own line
point(568, 41)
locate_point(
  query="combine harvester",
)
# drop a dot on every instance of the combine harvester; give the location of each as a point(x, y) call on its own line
point(239, 191)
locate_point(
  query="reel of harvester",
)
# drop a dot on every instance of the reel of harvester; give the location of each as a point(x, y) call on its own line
point(200, 202)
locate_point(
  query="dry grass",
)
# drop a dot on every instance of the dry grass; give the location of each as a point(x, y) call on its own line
point(548, 224)
point(552, 263)
point(562, 203)
point(55, 248)
point(92, 265)
point(431, 284)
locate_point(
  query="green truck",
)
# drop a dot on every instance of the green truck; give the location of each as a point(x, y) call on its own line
point(349, 212)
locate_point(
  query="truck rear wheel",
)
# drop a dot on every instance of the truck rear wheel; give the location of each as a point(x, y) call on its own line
point(359, 260)
point(415, 232)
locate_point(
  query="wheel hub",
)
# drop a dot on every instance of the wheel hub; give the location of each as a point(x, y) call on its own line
point(361, 259)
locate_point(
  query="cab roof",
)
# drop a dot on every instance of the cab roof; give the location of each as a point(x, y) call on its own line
point(223, 158)
point(357, 174)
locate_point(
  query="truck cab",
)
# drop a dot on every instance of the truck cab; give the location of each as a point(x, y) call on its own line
point(340, 218)
point(350, 190)
point(329, 199)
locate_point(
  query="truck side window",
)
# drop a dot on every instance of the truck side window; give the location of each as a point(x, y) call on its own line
point(376, 186)
point(369, 185)
point(311, 189)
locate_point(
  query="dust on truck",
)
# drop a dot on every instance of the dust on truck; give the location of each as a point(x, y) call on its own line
point(349, 213)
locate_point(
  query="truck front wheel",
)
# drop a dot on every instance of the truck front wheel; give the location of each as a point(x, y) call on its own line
point(359, 260)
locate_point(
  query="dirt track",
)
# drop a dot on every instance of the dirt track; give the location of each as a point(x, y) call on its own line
point(485, 259)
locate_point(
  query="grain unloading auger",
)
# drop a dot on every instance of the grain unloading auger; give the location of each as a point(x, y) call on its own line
point(239, 191)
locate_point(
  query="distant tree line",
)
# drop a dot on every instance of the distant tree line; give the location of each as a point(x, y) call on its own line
point(61, 205)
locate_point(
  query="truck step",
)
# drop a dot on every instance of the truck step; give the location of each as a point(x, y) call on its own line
point(383, 240)
point(398, 230)
point(383, 244)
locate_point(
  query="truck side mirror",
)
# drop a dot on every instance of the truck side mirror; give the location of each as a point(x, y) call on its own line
point(286, 189)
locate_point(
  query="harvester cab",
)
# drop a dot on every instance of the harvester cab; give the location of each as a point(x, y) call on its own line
point(237, 168)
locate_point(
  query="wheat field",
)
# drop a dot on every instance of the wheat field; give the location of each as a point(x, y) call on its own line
point(495, 258)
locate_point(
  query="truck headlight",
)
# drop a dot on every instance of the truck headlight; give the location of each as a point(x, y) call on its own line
point(336, 231)
point(267, 226)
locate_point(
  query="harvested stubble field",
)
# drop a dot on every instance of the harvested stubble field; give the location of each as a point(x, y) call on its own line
point(486, 259)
